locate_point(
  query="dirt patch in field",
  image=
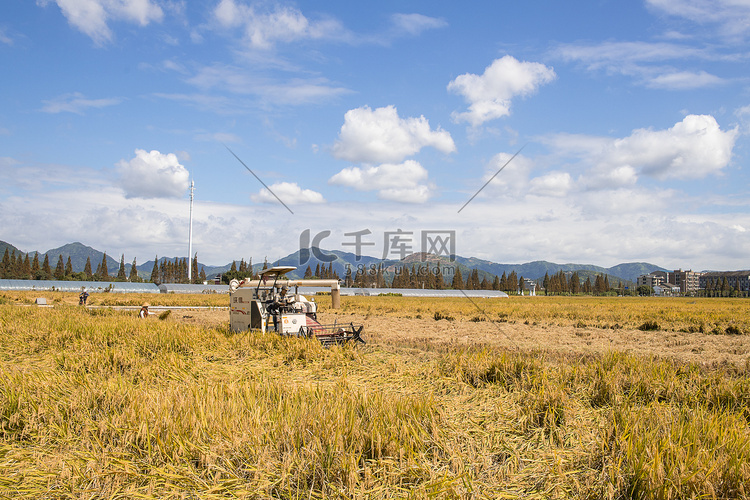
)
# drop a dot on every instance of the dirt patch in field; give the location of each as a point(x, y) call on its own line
point(430, 334)
point(689, 347)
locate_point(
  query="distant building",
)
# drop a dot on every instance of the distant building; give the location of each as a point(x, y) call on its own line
point(686, 282)
point(657, 278)
point(739, 280)
point(666, 290)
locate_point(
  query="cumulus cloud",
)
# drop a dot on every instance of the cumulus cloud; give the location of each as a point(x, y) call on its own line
point(514, 177)
point(692, 149)
point(405, 182)
point(289, 192)
point(490, 94)
point(381, 136)
point(76, 103)
point(263, 29)
point(92, 16)
point(153, 175)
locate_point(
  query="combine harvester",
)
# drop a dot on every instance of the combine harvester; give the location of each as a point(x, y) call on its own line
point(267, 305)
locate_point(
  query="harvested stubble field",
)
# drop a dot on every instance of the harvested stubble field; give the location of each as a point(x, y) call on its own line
point(497, 398)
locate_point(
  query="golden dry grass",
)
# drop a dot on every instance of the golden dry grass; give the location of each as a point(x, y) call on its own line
point(96, 403)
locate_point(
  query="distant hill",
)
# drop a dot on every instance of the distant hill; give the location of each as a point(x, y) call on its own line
point(632, 270)
point(301, 259)
point(7, 246)
point(78, 253)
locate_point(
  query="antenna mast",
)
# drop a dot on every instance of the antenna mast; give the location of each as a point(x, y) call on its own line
point(190, 235)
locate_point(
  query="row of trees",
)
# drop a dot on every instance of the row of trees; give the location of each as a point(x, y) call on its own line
point(175, 271)
point(560, 284)
point(438, 278)
point(322, 273)
point(244, 270)
point(720, 287)
point(27, 267)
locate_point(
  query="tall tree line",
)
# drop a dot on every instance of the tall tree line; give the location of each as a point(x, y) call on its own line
point(27, 266)
point(176, 271)
point(560, 284)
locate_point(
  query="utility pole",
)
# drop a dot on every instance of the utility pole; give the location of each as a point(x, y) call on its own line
point(190, 235)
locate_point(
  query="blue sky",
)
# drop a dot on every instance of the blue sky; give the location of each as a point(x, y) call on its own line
point(631, 119)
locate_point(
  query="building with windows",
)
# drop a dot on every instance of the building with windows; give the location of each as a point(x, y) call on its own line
point(666, 290)
point(654, 279)
point(688, 281)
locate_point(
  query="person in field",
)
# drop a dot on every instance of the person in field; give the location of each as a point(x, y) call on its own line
point(144, 311)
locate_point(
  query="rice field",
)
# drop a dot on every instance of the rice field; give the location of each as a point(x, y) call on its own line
point(95, 403)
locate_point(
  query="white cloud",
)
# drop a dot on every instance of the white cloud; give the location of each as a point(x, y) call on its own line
point(222, 137)
point(380, 136)
point(552, 184)
point(91, 16)
point(617, 56)
point(415, 24)
point(284, 24)
point(743, 114)
point(680, 80)
point(732, 16)
point(513, 180)
point(613, 178)
point(289, 192)
point(692, 149)
point(646, 62)
point(4, 38)
point(76, 103)
point(405, 182)
point(416, 194)
point(489, 95)
point(153, 175)
point(249, 82)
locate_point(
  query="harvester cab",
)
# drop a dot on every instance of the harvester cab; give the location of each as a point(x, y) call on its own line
point(267, 305)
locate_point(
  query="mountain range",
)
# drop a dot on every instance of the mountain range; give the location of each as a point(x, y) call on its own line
point(340, 261)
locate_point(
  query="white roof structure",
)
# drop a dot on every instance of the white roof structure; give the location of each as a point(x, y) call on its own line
point(77, 286)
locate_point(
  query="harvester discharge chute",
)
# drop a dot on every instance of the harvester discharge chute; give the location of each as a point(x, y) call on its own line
point(267, 305)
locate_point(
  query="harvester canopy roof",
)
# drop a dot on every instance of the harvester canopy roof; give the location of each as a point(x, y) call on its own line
point(276, 271)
